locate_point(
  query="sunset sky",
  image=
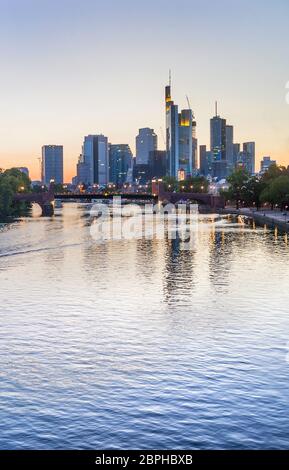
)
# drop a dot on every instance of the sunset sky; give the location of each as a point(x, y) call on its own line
point(74, 67)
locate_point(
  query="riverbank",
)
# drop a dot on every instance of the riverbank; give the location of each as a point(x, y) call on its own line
point(272, 219)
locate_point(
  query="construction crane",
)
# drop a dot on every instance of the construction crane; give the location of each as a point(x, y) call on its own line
point(189, 105)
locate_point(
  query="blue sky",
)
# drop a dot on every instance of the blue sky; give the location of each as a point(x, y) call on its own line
point(70, 68)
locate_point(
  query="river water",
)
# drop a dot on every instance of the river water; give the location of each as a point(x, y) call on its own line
point(140, 344)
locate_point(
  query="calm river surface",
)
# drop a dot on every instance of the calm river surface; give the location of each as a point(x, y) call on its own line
point(138, 344)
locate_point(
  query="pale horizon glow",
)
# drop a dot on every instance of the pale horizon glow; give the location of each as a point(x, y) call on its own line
point(73, 68)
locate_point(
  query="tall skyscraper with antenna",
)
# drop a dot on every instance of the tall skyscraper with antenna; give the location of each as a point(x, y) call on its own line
point(172, 133)
point(181, 143)
point(218, 144)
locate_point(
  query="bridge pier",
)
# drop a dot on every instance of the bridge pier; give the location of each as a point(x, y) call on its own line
point(47, 209)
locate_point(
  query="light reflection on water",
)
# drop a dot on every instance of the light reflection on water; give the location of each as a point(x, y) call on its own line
point(138, 344)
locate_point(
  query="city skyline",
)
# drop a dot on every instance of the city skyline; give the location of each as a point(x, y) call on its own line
point(123, 90)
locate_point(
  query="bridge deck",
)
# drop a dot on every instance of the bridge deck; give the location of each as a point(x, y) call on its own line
point(86, 196)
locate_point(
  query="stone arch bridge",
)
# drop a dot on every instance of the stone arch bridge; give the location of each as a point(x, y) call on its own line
point(209, 200)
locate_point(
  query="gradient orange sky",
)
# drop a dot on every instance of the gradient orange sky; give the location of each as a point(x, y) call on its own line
point(74, 67)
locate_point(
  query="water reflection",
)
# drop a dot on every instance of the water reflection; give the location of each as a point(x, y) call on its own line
point(141, 343)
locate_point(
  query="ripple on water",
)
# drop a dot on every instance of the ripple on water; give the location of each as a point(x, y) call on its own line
point(139, 344)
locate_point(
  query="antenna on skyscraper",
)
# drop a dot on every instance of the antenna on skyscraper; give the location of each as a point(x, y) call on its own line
point(216, 108)
point(190, 108)
point(170, 77)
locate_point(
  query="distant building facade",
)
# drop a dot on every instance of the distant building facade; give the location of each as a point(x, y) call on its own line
point(230, 148)
point(146, 142)
point(172, 134)
point(205, 161)
point(24, 170)
point(141, 173)
point(93, 164)
point(82, 171)
point(52, 164)
point(249, 149)
point(266, 163)
point(157, 164)
point(236, 151)
point(181, 141)
point(120, 161)
point(186, 141)
point(218, 135)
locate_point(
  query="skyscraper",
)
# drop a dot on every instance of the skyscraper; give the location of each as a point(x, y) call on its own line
point(218, 138)
point(172, 134)
point(181, 142)
point(244, 161)
point(120, 160)
point(186, 141)
point(157, 164)
point(146, 142)
point(195, 145)
point(94, 159)
point(249, 148)
point(82, 171)
point(218, 145)
point(230, 147)
point(236, 151)
point(205, 161)
point(52, 164)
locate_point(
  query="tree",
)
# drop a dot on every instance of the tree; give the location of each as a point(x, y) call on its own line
point(238, 182)
point(6, 198)
point(11, 182)
point(277, 191)
point(273, 172)
point(252, 192)
point(170, 183)
point(194, 184)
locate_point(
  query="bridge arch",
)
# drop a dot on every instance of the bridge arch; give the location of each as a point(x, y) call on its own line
point(44, 200)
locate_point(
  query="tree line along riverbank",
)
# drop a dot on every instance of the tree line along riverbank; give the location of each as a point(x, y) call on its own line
point(12, 181)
